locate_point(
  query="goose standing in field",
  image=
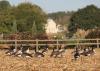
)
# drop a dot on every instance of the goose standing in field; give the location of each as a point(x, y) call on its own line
point(88, 51)
point(26, 51)
point(23, 51)
point(57, 52)
point(76, 53)
point(41, 51)
point(12, 50)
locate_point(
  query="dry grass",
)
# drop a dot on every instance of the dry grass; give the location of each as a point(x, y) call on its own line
point(10, 63)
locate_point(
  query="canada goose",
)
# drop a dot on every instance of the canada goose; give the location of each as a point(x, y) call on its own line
point(56, 53)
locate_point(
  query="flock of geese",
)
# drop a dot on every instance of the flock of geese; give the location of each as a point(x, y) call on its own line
point(30, 51)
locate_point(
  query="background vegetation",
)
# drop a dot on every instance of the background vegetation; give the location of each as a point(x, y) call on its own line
point(30, 18)
point(86, 19)
point(25, 17)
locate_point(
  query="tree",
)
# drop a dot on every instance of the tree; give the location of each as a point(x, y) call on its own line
point(86, 18)
point(20, 18)
point(6, 16)
point(26, 14)
point(34, 29)
point(4, 5)
point(61, 18)
point(14, 27)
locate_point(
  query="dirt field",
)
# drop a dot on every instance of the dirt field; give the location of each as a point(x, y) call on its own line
point(10, 63)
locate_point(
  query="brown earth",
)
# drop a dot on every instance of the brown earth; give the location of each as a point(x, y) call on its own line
point(10, 63)
point(3, 46)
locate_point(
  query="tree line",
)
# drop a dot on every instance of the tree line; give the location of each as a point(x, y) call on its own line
point(27, 17)
point(24, 17)
point(87, 18)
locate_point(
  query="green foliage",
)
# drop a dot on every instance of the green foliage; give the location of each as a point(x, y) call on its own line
point(86, 18)
point(20, 18)
point(14, 27)
point(34, 29)
point(6, 16)
point(4, 5)
point(61, 18)
point(26, 14)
